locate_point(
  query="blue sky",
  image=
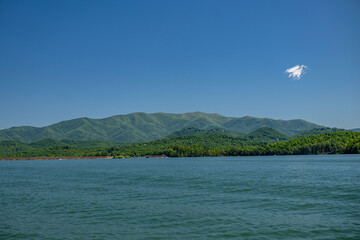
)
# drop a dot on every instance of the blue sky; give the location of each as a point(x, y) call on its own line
point(67, 59)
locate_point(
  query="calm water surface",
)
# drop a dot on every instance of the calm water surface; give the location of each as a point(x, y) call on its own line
point(287, 197)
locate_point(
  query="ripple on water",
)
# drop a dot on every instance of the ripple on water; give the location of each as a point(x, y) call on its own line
point(299, 197)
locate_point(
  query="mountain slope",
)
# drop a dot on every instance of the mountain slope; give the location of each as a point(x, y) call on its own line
point(191, 146)
point(198, 131)
point(214, 138)
point(139, 127)
point(317, 131)
point(267, 134)
point(249, 124)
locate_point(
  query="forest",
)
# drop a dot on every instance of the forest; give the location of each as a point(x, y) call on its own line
point(264, 141)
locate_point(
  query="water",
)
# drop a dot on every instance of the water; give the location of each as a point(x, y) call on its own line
point(287, 197)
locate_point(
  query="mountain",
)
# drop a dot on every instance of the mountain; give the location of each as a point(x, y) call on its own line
point(355, 130)
point(139, 127)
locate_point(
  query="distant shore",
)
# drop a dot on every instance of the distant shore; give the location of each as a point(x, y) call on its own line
point(54, 158)
point(63, 158)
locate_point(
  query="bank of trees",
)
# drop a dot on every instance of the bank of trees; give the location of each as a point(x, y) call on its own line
point(193, 146)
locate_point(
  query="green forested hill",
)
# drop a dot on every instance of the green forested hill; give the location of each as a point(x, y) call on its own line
point(326, 143)
point(55, 148)
point(316, 131)
point(43, 143)
point(218, 145)
point(212, 138)
point(198, 131)
point(268, 134)
point(193, 146)
point(139, 127)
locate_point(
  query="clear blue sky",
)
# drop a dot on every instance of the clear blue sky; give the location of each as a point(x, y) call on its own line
point(67, 59)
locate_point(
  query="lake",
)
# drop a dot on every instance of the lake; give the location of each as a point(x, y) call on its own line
point(272, 197)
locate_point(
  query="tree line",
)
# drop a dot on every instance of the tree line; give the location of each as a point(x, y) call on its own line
point(191, 146)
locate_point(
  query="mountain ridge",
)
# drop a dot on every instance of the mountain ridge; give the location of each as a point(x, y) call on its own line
point(139, 127)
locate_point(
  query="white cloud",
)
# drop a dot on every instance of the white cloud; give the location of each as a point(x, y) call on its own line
point(296, 72)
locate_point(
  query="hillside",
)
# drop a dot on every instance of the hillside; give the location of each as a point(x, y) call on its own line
point(326, 143)
point(195, 146)
point(50, 147)
point(212, 138)
point(198, 131)
point(317, 131)
point(267, 134)
point(139, 127)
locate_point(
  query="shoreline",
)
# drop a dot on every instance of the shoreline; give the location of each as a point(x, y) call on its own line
point(54, 158)
point(153, 156)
